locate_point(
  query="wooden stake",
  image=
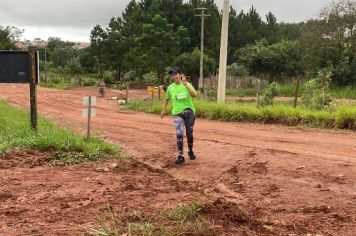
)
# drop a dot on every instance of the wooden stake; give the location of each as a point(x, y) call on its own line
point(127, 94)
point(258, 93)
point(296, 93)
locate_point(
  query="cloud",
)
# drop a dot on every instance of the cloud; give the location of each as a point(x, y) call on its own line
point(73, 19)
point(71, 13)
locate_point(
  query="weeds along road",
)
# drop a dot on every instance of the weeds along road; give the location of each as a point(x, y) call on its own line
point(281, 170)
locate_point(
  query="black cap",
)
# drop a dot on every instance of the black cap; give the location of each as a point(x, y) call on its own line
point(175, 69)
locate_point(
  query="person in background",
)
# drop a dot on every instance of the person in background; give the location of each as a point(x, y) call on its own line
point(101, 88)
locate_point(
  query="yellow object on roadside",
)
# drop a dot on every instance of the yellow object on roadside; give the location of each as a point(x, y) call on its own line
point(156, 92)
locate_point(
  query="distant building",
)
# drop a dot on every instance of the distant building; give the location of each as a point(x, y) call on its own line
point(37, 42)
point(81, 45)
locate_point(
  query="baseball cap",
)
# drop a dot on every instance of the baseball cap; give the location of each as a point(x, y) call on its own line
point(174, 70)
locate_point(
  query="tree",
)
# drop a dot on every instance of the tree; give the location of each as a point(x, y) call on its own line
point(87, 60)
point(279, 60)
point(8, 37)
point(189, 64)
point(74, 67)
point(155, 48)
point(341, 20)
point(115, 46)
point(330, 42)
point(271, 29)
point(61, 55)
point(97, 38)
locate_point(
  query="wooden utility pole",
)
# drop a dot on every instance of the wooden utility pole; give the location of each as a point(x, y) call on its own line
point(33, 88)
point(201, 74)
point(223, 52)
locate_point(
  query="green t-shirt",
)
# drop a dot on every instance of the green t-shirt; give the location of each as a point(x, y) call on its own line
point(180, 97)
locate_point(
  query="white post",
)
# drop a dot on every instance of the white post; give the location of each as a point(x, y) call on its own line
point(89, 115)
point(201, 77)
point(223, 52)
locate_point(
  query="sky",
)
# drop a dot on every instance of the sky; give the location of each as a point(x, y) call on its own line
point(72, 20)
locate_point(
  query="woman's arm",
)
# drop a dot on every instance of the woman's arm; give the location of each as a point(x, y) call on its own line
point(191, 90)
point(164, 109)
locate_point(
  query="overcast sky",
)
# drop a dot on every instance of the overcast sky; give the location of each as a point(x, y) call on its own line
point(73, 19)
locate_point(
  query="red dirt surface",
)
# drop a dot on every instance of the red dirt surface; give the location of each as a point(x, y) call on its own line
point(253, 179)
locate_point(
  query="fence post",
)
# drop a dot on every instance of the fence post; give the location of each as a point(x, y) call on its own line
point(296, 93)
point(127, 94)
point(258, 93)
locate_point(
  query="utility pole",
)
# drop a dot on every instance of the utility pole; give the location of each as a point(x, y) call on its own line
point(223, 52)
point(201, 74)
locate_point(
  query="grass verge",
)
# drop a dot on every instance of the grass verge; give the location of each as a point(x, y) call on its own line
point(61, 85)
point(66, 148)
point(343, 117)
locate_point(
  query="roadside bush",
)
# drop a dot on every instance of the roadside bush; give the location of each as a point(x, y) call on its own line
point(130, 76)
point(269, 94)
point(236, 70)
point(316, 94)
point(212, 95)
point(108, 77)
point(89, 82)
point(151, 78)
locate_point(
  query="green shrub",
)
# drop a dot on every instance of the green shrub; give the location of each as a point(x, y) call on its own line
point(212, 94)
point(236, 70)
point(130, 76)
point(316, 92)
point(89, 82)
point(108, 77)
point(151, 78)
point(269, 94)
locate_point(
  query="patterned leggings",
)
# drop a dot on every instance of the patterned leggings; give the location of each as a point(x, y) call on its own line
point(185, 119)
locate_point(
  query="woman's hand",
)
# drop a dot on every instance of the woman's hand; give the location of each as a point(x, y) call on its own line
point(184, 80)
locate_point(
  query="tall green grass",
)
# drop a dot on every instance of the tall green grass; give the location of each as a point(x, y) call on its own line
point(343, 117)
point(348, 92)
point(66, 147)
point(288, 90)
point(59, 81)
point(285, 90)
point(61, 85)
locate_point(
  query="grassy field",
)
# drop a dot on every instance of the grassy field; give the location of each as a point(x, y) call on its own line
point(66, 148)
point(58, 81)
point(344, 117)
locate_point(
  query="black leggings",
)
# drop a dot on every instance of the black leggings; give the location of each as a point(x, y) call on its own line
point(185, 119)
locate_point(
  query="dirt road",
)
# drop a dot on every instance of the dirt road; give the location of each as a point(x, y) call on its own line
point(302, 180)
